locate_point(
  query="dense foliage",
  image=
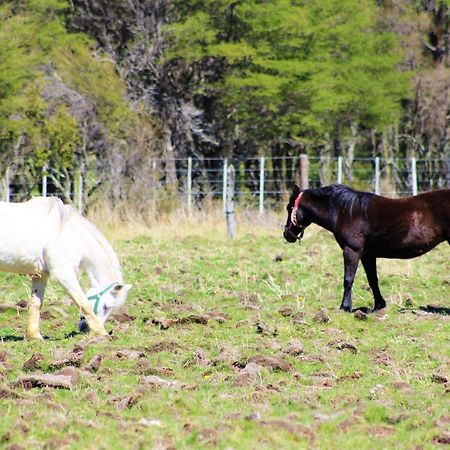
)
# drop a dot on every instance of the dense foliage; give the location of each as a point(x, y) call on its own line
point(102, 87)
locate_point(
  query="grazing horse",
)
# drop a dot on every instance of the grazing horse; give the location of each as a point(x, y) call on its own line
point(367, 226)
point(42, 238)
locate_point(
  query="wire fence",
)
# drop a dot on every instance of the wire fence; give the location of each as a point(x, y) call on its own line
point(259, 182)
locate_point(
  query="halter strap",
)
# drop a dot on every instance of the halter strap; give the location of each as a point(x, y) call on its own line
point(295, 208)
point(99, 295)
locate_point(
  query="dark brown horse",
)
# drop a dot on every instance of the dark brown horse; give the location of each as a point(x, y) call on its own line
point(367, 226)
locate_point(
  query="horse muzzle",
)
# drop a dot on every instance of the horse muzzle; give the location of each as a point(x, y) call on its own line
point(291, 236)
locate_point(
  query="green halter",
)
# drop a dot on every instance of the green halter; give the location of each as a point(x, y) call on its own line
point(97, 297)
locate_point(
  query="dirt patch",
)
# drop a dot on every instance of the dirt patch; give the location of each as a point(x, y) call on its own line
point(286, 311)
point(199, 358)
point(45, 380)
point(192, 318)
point(248, 375)
point(293, 428)
point(163, 346)
point(265, 329)
point(340, 344)
point(380, 431)
point(321, 317)
point(294, 348)
point(128, 354)
point(227, 354)
point(74, 358)
point(94, 364)
point(402, 386)
point(361, 315)
point(438, 378)
point(277, 364)
point(353, 376)
point(154, 381)
point(34, 363)
point(125, 402)
point(383, 359)
point(8, 393)
point(442, 438)
point(123, 318)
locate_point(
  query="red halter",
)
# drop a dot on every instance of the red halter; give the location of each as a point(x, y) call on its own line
point(295, 208)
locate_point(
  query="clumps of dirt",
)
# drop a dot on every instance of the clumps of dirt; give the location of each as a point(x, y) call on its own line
point(125, 402)
point(128, 354)
point(34, 363)
point(227, 355)
point(291, 427)
point(339, 344)
point(265, 329)
point(443, 438)
point(380, 431)
point(46, 380)
point(383, 359)
point(94, 364)
point(299, 318)
point(144, 367)
point(74, 358)
point(248, 375)
point(8, 393)
point(153, 381)
point(438, 378)
point(201, 319)
point(271, 363)
point(123, 318)
point(168, 346)
point(402, 386)
point(361, 315)
point(353, 376)
point(198, 358)
point(278, 258)
point(321, 317)
point(294, 348)
point(286, 311)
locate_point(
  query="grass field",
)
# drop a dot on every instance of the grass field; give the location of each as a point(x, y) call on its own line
point(234, 344)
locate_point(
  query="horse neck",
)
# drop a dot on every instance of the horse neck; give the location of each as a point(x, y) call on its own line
point(99, 259)
point(318, 210)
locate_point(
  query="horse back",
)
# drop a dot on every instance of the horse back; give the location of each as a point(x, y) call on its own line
point(408, 227)
point(26, 230)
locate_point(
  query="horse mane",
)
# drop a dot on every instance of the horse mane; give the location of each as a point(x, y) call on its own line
point(343, 198)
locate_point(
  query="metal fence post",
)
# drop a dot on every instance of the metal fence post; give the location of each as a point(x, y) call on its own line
point(229, 212)
point(339, 176)
point(224, 184)
point(414, 176)
point(44, 182)
point(261, 184)
point(189, 186)
point(377, 175)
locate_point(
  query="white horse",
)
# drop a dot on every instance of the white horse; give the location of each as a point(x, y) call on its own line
point(42, 238)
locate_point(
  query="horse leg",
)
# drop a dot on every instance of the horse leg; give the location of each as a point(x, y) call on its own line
point(351, 260)
point(68, 279)
point(38, 284)
point(370, 266)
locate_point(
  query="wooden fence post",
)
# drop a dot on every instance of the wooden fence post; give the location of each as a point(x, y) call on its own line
point(189, 186)
point(261, 185)
point(304, 171)
point(229, 212)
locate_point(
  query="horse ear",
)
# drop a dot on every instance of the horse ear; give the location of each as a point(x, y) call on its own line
point(296, 190)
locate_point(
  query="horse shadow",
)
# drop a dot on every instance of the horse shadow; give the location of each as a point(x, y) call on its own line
point(432, 309)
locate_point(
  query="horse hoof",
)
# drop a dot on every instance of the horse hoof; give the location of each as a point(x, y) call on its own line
point(34, 337)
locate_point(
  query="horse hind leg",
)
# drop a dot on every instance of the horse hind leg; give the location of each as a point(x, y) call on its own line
point(38, 284)
point(370, 267)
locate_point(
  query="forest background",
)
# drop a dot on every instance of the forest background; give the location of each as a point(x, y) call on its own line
point(119, 91)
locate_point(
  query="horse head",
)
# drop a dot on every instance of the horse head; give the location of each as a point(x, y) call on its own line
point(296, 220)
point(105, 302)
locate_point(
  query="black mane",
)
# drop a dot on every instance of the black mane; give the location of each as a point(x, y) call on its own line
point(343, 198)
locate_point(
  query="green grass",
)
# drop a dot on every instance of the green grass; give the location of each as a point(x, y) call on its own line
point(381, 396)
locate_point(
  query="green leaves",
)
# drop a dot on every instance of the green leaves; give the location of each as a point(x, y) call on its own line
point(305, 67)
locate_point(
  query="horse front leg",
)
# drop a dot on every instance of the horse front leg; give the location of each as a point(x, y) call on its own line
point(370, 266)
point(38, 284)
point(351, 260)
point(69, 281)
